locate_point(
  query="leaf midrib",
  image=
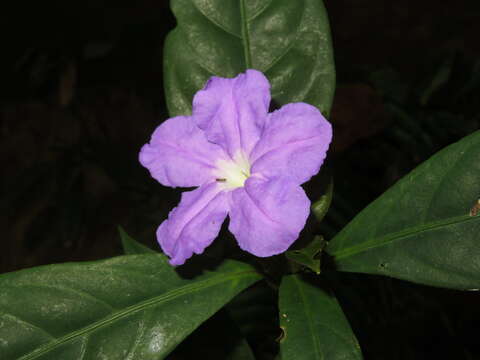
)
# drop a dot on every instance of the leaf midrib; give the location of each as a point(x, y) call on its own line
point(386, 239)
point(308, 311)
point(165, 297)
point(245, 35)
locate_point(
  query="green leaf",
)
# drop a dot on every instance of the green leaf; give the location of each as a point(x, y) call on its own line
point(321, 206)
point(287, 40)
point(128, 307)
point(422, 229)
point(131, 246)
point(314, 326)
point(309, 256)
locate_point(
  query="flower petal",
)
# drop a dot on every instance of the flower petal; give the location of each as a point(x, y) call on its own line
point(194, 223)
point(179, 154)
point(232, 112)
point(267, 215)
point(294, 143)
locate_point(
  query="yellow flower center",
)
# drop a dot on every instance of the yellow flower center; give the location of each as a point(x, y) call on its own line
point(231, 174)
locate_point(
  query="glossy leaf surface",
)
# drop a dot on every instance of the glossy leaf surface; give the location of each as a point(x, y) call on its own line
point(128, 307)
point(423, 228)
point(287, 40)
point(313, 323)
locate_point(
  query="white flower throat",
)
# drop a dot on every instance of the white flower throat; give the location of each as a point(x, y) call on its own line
point(232, 174)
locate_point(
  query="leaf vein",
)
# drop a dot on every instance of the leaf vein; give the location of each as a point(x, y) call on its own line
point(309, 319)
point(260, 11)
point(245, 35)
point(17, 319)
point(214, 22)
point(163, 298)
point(78, 292)
point(138, 337)
point(377, 242)
point(443, 179)
point(291, 45)
point(83, 349)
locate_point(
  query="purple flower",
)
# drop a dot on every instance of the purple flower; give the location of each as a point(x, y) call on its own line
point(245, 162)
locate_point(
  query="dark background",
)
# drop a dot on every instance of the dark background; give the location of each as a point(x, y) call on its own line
point(81, 91)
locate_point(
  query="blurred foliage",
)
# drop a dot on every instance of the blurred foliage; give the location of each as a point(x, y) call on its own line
point(419, 117)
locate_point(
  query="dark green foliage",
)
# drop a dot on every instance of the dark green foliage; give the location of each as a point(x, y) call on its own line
point(422, 229)
point(287, 40)
point(123, 307)
point(314, 326)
